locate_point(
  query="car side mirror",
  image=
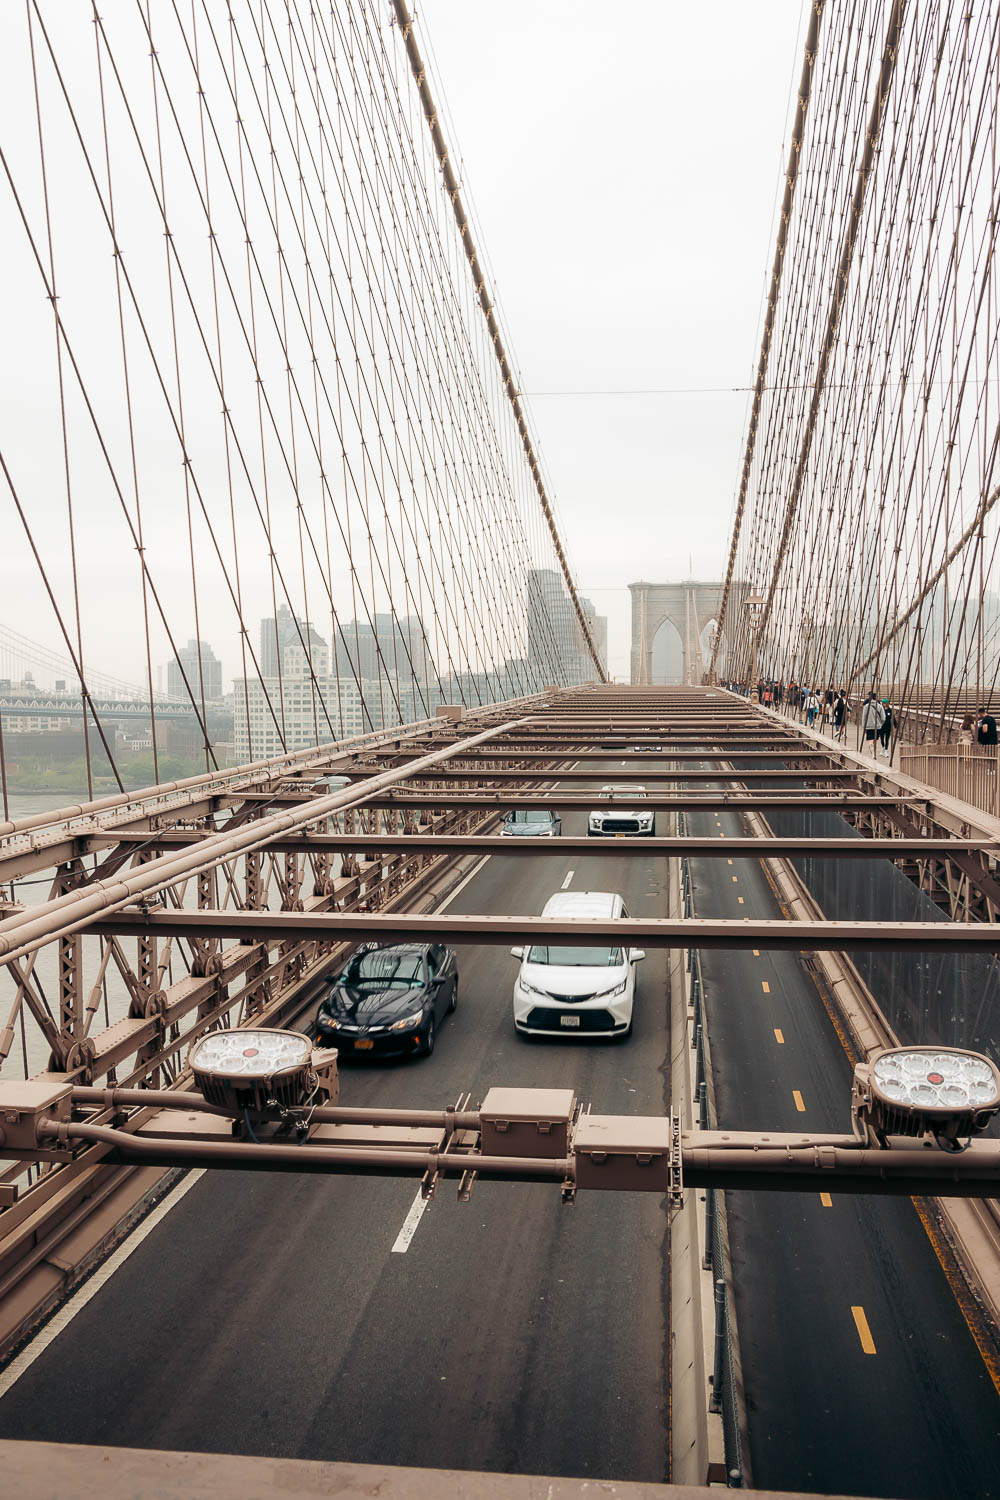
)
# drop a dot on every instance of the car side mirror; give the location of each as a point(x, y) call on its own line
point(638, 954)
point(517, 953)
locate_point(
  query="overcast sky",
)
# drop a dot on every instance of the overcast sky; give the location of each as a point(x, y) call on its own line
point(624, 164)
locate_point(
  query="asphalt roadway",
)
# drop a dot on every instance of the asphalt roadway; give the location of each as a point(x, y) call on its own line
point(861, 1375)
point(274, 1315)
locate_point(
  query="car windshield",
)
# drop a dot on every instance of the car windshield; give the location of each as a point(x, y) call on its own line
point(382, 969)
point(529, 815)
point(590, 958)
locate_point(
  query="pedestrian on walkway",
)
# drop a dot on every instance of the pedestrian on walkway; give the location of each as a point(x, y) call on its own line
point(840, 714)
point(811, 707)
point(965, 730)
point(872, 715)
point(885, 729)
point(827, 709)
point(987, 728)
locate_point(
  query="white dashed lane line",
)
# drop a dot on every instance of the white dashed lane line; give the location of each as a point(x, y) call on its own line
point(410, 1223)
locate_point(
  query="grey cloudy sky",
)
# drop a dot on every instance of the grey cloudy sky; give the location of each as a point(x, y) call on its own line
point(624, 163)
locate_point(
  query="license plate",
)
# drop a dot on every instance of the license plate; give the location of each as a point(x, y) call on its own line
point(364, 1045)
point(569, 1020)
point(621, 835)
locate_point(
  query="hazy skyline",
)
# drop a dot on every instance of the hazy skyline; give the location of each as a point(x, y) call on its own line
point(624, 172)
point(625, 167)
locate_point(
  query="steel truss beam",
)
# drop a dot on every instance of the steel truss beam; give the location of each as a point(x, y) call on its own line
point(574, 773)
point(657, 932)
point(618, 1153)
point(663, 801)
point(374, 844)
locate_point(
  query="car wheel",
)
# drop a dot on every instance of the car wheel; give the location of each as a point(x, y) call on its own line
point(453, 1005)
point(428, 1046)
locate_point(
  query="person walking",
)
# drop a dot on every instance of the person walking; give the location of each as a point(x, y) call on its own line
point(826, 710)
point(872, 715)
point(965, 730)
point(987, 728)
point(840, 714)
point(885, 729)
point(811, 708)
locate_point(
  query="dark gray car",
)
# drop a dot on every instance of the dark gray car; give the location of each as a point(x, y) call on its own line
point(389, 1001)
point(531, 823)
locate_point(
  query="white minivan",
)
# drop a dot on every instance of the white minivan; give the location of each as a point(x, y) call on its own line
point(577, 989)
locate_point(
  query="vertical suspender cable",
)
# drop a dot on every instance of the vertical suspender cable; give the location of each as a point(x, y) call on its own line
point(461, 218)
point(791, 178)
point(869, 155)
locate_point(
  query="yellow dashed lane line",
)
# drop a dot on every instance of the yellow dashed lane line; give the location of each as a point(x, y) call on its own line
point(864, 1332)
point(798, 1101)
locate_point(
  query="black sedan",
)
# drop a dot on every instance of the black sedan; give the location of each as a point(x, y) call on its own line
point(389, 1001)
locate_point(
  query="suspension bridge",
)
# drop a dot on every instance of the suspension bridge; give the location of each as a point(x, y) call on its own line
point(266, 428)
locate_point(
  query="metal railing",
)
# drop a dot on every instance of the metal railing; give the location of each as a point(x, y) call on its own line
point(968, 772)
point(724, 1394)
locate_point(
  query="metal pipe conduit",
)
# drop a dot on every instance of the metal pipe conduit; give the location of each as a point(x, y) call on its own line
point(734, 1159)
point(307, 1157)
point(326, 1114)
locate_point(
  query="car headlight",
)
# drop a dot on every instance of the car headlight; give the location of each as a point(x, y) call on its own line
point(407, 1021)
point(617, 989)
point(645, 817)
point(532, 989)
point(327, 1021)
point(595, 819)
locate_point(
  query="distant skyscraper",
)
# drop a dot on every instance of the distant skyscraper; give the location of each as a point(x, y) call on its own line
point(387, 647)
point(370, 679)
point(556, 647)
point(186, 664)
point(598, 625)
point(286, 630)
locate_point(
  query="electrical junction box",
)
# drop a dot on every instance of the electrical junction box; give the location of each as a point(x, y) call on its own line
point(527, 1122)
point(23, 1104)
point(626, 1152)
point(449, 711)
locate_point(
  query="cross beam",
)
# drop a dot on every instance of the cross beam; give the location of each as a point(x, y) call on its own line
point(650, 932)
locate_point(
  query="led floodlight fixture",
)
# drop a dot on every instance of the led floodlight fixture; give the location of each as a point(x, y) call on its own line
point(946, 1092)
point(260, 1072)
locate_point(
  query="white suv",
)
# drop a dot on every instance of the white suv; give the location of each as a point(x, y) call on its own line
point(570, 989)
point(621, 821)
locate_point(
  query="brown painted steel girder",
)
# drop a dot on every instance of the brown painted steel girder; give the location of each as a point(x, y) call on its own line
point(652, 758)
point(655, 932)
point(693, 848)
point(641, 775)
point(713, 801)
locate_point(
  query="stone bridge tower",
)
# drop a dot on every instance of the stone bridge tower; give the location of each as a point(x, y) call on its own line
point(688, 606)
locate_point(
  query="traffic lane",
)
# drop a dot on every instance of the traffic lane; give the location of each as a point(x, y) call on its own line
point(577, 1290)
point(245, 1321)
point(818, 1278)
point(546, 1355)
